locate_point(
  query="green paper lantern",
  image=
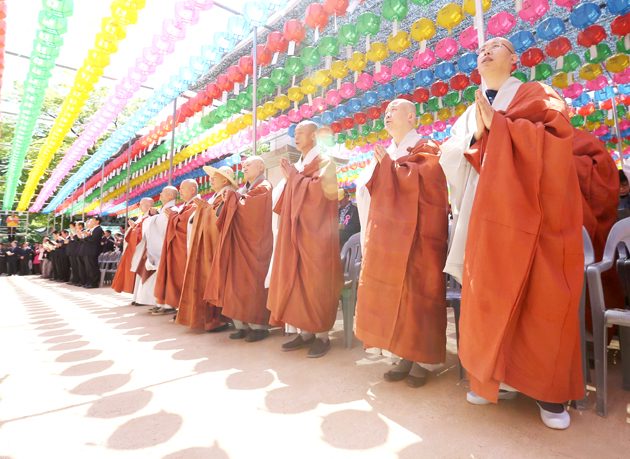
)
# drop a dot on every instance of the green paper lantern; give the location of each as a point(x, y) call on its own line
point(348, 35)
point(59, 8)
point(621, 46)
point(244, 100)
point(395, 10)
point(519, 75)
point(279, 76)
point(422, 2)
point(433, 105)
point(310, 56)
point(341, 138)
point(378, 126)
point(543, 71)
point(577, 121)
point(596, 116)
point(368, 24)
point(266, 86)
point(571, 62)
point(328, 46)
point(293, 66)
point(233, 107)
point(51, 23)
point(603, 53)
point(452, 99)
point(365, 130)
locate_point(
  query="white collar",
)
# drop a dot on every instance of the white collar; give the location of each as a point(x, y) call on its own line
point(410, 140)
point(505, 94)
point(171, 203)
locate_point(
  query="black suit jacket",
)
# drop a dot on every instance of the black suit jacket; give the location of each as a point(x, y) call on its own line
point(73, 246)
point(92, 243)
point(108, 244)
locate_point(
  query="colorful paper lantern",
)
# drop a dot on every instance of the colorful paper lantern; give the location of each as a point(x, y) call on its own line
point(501, 24)
point(450, 16)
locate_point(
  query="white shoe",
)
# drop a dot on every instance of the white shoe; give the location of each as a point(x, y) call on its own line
point(475, 399)
point(558, 421)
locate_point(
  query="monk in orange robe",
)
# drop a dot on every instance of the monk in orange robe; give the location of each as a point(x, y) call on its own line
point(241, 263)
point(306, 276)
point(194, 311)
point(516, 242)
point(401, 301)
point(599, 182)
point(170, 274)
point(124, 279)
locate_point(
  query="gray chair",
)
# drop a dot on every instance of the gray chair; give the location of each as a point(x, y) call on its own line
point(453, 299)
point(602, 318)
point(108, 270)
point(351, 261)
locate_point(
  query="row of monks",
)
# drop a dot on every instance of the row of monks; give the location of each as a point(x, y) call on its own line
point(523, 183)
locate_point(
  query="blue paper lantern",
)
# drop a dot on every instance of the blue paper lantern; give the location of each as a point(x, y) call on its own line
point(603, 94)
point(582, 100)
point(550, 29)
point(370, 98)
point(355, 105)
point(522, 41)
point(618, 7)
point(584, 15)
point(624, 89)
point(404, 86)
point(317, 120)
point(341, 111)
point(606, 137)
point(238, 27)
point(223, 41)
point(424, 78)
point(625, 133)
point(386, 91)
point(444, 71)
point(275, 5)
point(212, 54)
point(467, 63)
point(328, 117)
point(256, 13)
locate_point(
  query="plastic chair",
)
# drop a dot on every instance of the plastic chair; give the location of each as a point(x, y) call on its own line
point(351, 260)
point(602, 318)
point(453, 299)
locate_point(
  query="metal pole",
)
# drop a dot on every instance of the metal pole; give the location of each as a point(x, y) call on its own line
point(100, 210)
point(54, 220)
point(61, 226)
point(83, 211)
point(170, 167)
point(128, 179)
point(616, 118)
point(26, 232)
point(481, 36)
point(47, 223)
point(254, 92)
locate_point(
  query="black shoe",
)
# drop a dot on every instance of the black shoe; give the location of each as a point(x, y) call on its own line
point(319, 348)
point(69, 283)
point(297, 343)
point(133, 303)
point(417, 381)
point(239, 334)
point(91, 286)
point(256, 335)
point(220, 329)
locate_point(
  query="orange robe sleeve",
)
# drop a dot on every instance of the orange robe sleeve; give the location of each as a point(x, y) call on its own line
point(523, 263)
point(237, 277)
point(401, 303)
point(599, 183)
point(168, 285)
point(124, 279)
point(194, 311)
point(306, 276)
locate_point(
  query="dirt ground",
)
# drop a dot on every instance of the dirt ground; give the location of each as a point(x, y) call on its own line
point(85, 375)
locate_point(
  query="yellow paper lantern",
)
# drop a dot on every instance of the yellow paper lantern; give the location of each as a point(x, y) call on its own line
point(589, 72)
point(105, 43)
point(423, 29)
point(450, 16)
point(308, 86)
point(240, 123)
point(260, 113)
point(295, 94)
point(469, 6)
point(426, 119)
point(400, 42)
point(560, 80)
point(372, 137)
point(270, 109)
point(322, 78)
point(378, 52)
point(113, 29)
point(339, 70)
point(97, 58)
point(460, 109)
point(231, 128)
point(617, 63)
point(358, 62)
point(383, 135)
point(282, 102)
point(124, 12)
point(248, 119)
point(223, 135)
point(444, 114)
point(591, 126)
point(349, 144)
point(609, 122)
point(360, 141)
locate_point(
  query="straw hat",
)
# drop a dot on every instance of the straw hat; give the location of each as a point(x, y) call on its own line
point(224, 171)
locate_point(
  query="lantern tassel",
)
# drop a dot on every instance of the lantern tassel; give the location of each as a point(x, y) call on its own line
point(328, 62)
point(367, 43)
point(560, 63)
point(593, 50)
point(236, 89)
point(291, 50)
point(349, 52)
point(395, 31)
point(532, 74)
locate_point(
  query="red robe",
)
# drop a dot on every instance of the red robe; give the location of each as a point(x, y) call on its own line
point(168, 285)
point(523, 264)
point(401, 301)
point(125, 279)
point(237, 277)
point(307, 277)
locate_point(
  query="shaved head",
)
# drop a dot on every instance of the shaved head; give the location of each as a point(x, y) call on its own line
point(400, 119)
point(188, 189)
point(168, 194)
point(495, 61)
point(305, 136)
point(252, 168)
point(146, 204)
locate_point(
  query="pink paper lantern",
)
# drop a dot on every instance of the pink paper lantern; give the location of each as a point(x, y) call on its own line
point(173, 30)
point(452, 120)
point(446, 48)
point(468, 38)
point(284, 121)
point(501, 23)
point(333, 97)
point(623, 125)
point(188, 12)
point(424, 60)
point(439, 126)
point(273, 125)
point(295, 116)
point(533, 10)
point(425, 130)
point(347, 91)
point(307, 111)
point(602, 130)
point(622, 77)
point(320, 104)
point(384, 75)
point(387, 142)
point(596, 84)
point(573, 91)
point(365, 81)
point(568, 4)
point(402, 67)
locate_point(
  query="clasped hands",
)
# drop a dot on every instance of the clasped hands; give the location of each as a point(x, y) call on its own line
point(286, 168)
point(483, 113)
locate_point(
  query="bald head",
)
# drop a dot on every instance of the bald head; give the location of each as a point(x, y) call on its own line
point(146, 204)
point(188, 189)
point(305, 136)
point(400, 118)
point(253, 167)
point(168, 194)
point(495, 61)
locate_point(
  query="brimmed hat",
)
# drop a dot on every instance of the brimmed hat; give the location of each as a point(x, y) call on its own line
point(224, 171)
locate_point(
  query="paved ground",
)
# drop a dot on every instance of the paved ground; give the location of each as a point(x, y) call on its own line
point(85, 375)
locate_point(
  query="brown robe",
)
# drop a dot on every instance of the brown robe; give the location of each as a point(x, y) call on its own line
point(523, 264)
point(401, 301)
point(194, 311)
point(306, 276)
point(599, 182)
point(125, 279)
point(237, 277)
point(168, 285)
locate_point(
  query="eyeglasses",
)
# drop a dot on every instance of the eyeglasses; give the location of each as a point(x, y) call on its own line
point(492, 48)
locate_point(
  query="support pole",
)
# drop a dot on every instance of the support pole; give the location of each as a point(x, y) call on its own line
point(83, 211)
point(26, 232)
point(100, 210)
point(616, 118)
point(170, 166)
point(128, 179)
point(481, 36)
point(47, 223)
point(54, 220)
point(254, 92)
